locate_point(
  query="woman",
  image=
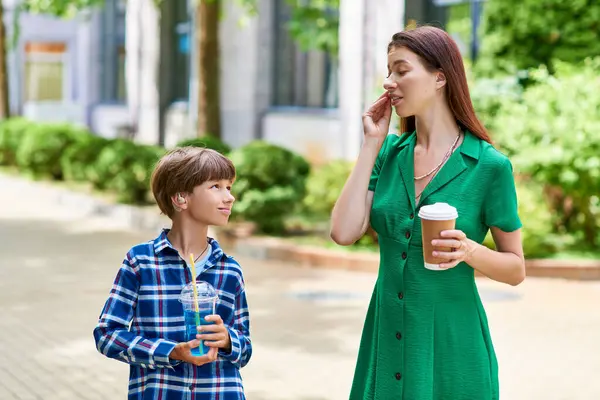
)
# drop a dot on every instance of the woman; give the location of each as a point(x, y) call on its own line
point(426, 335)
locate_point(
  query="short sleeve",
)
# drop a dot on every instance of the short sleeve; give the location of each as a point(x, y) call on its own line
point(501, 206)
point(379, 162)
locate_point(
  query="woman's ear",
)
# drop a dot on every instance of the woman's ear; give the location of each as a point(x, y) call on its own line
point(440, 80)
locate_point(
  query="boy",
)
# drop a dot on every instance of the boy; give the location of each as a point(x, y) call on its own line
point(142, 321)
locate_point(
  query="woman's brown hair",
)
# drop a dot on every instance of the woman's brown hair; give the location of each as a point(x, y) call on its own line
point(439, 52)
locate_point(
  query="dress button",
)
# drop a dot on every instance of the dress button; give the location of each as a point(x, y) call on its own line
point(398, 335)
point(412, 216)
point(404, 255)
point(400, 295)
point(192, 387)
point(407, 235)
point(398, 375)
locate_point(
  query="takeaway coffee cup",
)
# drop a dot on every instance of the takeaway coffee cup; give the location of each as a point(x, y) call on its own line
point(435, 218)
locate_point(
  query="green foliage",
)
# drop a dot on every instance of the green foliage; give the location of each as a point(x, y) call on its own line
point(553, 135)
point(270, 184)
point(42, 147)
point(12, 133)
point(314, 25)
point(525, 34)
point(539, 238)
point(490, 98)
point(79, 159)
point(126, 168)
point(209, 142)
point(324, 186)
point(59, 8)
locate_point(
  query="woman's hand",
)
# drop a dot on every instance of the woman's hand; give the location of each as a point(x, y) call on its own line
point(461, 248)
point(376, 120)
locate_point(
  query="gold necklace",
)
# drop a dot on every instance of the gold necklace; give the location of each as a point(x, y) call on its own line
point(448, 154)
point(418, 178)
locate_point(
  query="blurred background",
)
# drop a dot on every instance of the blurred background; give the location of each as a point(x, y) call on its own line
point(93, 92)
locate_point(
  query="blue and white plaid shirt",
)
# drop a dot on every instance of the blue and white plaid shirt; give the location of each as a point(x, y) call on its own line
point(142, 321)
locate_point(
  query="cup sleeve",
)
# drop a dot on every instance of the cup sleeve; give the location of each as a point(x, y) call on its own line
point(501, 206)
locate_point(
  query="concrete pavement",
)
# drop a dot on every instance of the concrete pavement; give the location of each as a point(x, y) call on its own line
point(58, 264)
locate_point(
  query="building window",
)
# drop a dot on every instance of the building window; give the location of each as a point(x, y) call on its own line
point(45, 71)
point(301, 79)
point(112, 80)
point(180, 51)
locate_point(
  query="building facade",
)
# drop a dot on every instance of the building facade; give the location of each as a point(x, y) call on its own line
point(76, 70)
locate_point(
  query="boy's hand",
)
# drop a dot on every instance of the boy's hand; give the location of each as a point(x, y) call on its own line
point(216, 335)
point(183, 352)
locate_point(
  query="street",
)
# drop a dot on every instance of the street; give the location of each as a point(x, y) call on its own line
point(58, 265)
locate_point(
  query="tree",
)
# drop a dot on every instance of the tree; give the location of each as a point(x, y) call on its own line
point(59, 8)
point(313, 25)
point(208, 15)
point(525, 34)
point(207, 41)
point(4, 105)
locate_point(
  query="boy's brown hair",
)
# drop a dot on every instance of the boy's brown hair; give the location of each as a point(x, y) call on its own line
point(184, 168)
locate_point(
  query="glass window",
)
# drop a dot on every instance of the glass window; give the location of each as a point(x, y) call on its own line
point(113, 56)
point(45, 71)
point(180, 51)
point(301, 79)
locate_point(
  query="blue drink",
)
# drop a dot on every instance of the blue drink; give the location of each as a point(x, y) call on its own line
point(191, 329)
point(196, 307)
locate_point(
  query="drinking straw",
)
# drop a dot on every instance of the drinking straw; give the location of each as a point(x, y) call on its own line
point(195, 295)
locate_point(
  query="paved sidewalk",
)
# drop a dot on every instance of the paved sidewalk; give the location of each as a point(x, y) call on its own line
point(58, 265)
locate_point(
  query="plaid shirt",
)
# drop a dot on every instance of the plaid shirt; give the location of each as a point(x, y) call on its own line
point(142, 321)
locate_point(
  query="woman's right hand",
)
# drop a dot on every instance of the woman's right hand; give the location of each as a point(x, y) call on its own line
point(376, 120)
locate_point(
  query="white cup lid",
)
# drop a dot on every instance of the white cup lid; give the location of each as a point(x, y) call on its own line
point(438, 212)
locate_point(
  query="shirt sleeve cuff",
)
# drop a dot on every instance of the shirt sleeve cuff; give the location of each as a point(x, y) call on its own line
point(160, 355)
point(235, 354)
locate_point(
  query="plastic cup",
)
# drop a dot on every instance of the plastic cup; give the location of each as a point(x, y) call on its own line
point(195, 317)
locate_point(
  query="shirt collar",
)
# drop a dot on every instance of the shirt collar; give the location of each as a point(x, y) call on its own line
point(162, 242)
point(469, 147)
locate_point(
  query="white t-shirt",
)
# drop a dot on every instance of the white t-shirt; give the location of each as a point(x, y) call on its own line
point(200, 263)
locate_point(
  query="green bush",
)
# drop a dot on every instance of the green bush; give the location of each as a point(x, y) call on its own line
point(208, 142)
point(528, 33)
point(42, 147)
point(79, 159)
point(12, 134)
point(270, 184)
point(324, 186)
point(126, 168)
point(553, 133)
point(538, 235)
point(490, 98)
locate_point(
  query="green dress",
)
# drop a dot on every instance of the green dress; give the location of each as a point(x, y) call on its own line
point(426, 334)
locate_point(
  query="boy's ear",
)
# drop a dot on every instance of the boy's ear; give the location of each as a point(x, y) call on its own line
point(179, 202)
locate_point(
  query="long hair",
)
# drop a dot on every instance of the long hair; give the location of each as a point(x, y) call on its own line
point(438, 52)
